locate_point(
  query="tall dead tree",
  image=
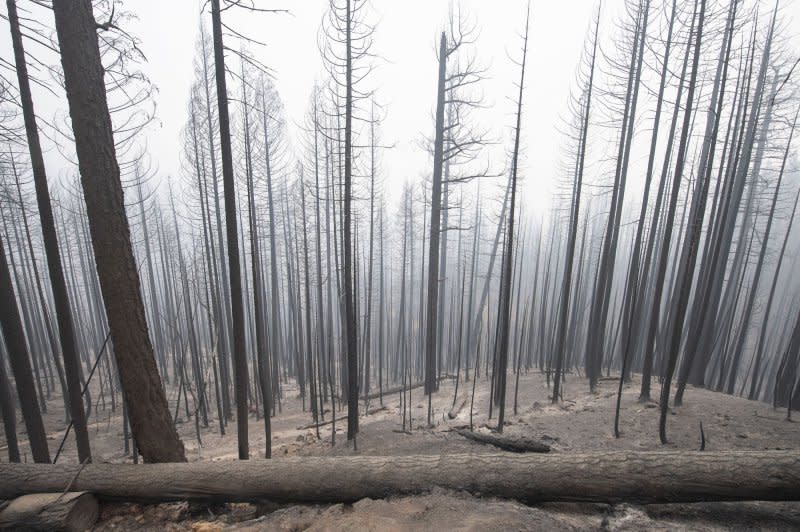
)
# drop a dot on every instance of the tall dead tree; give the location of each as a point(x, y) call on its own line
point(583, 111)
point(650, 328)
point(347, 50)
point(690, 244)
point(52, 252)
point(770, 299)
point(705, 165)
point(508, 259)
point(435, 221)
point(116, 266)
point(234, 265)
point(598, 316)
point(262, 353)
point(350, 319)
point(636, 284)
point(455, 142)
point(740, 345)
point(221, 288)
point(714, 311)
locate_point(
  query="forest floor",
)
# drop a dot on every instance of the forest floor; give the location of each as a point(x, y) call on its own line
point(583, 421)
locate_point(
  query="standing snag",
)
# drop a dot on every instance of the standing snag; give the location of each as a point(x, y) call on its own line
point(142, 389)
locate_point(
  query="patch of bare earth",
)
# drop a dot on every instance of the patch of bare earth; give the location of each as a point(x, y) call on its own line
point(583, 421)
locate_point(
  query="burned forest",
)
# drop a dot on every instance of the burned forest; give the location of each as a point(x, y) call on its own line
point(371, 265)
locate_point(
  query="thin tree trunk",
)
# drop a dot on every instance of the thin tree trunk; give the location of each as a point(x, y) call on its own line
point(508, 261)
point(234, 266)
point(55, 270)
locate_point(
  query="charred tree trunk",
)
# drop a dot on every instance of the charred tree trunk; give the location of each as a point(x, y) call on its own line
point(566, 287)
point(55, 270)
point(350, 318)
point(692, 239)
point(234, 266)
point(435, 229)
point(508, 259)
point(116, 266)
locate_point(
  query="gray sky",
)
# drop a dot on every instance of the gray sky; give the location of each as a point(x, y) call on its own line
point(404, 79)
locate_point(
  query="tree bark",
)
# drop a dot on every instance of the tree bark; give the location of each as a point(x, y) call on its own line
point(646, 477)
point(116, 266)
point(60, 297)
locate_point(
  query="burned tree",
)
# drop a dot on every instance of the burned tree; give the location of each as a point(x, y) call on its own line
point(116, 267)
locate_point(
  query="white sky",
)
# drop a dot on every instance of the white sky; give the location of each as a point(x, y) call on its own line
point(405, 79)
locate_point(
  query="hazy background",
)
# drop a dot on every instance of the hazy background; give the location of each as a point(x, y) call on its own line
point(404, 76)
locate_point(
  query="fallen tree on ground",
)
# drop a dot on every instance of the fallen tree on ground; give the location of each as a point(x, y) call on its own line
point(401, 388)
point(644, 477)
point(369, 412)
point(457, 408)
point(514, 444)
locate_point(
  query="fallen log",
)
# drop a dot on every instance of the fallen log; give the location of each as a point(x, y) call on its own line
point(393, 390)
point(71, 511)
point(514, 444)
point(453, 413)
point(400, 388)
point(369, 412)
point(644, 477)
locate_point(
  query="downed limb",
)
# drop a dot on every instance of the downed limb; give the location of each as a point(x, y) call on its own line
point(393, 390)
point(369, 412)
point(72, 511)
point(457, 408)
point(402, 388)
point(645, 477)
point(514, 444)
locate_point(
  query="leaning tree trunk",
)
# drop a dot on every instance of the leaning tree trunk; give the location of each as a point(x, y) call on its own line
point(684, 284)
point(765, 320)
point(598, 314)
point(739, 347)
point(566, 283)
point(650, 327)
point(67, 334)
point(705, 168)
point(116, 266)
